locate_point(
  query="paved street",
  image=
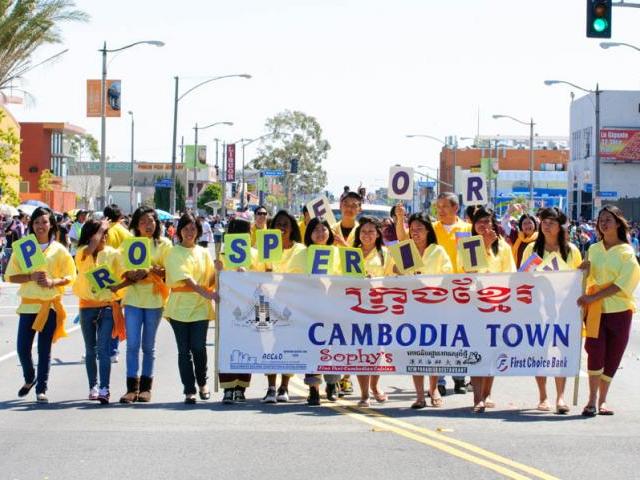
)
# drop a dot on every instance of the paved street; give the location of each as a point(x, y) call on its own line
point(71, 438)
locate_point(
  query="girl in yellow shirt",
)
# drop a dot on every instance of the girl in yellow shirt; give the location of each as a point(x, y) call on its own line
point(41, 308)
point(143, 302)
point(368, 237)
point(553, 237)
point(500, 260)
point(613, 277)
point(190, 274)
point(292, 262)
point(100, 312)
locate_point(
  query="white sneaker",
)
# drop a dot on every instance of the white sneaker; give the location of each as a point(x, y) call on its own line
point(42, 398)
point(270, 397)
point(283, 395)
point(94, 393)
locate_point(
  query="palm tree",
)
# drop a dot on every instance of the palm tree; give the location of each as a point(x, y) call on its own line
point(26, 25)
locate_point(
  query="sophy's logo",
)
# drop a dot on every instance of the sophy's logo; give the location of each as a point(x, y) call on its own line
point(262, 314)
point(502, 362)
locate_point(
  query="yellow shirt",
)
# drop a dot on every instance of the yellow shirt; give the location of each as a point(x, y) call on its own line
point(619, 266)
point(252, 233)
point(82, 287)
point(500, 263)
point(117, 234)
point(293, 260)
point(59, 265)
point(194, 263)
point(337, 231)
point(447, 239)
point(303, 228)
point(574, 259)
point(376, 266)
point(141, 294)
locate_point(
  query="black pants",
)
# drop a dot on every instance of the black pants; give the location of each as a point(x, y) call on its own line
point(191, 339)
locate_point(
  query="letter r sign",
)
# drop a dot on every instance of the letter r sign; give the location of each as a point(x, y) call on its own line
point(475, 192)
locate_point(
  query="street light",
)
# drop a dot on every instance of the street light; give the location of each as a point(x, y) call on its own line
point(195, 160)
point(606, 45)
point(245, 142)
point(453, 146)
point(596, 185)
point(132, 197)
point(176, 99)
point(103, 111)
point(531, 124)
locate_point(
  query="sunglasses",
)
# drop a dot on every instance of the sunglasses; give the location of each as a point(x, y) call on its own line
point(261, 213)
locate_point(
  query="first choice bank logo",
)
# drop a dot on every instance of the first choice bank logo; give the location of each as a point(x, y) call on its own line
point(502, 362)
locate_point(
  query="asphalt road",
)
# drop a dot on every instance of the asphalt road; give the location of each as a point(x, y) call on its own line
point(72, 438)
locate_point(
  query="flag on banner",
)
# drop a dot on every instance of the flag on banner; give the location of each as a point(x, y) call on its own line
point(488, 168)
point(531, 263)
point(231, 162)
point(190, 156)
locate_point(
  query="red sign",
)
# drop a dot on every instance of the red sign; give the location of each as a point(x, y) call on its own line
point(620, 144)
point(112, 105)
point(231, 162)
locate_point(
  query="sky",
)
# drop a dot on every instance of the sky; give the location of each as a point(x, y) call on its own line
point(369, 71)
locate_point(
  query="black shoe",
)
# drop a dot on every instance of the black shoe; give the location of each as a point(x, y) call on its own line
point(190, 399)
point(459, 387)
point(25, 389)
point(204, 393)
point(238, 395)
point(442, 390)
point(332, 392)
point(313, 400)
point(228, 397)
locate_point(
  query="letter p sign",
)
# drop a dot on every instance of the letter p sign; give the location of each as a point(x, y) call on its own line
point(401, 183)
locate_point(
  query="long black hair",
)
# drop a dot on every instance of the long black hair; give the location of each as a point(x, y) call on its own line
point(135, 221)
point(424, 219)
point(484, 212)
point(621, 222)
point(89, 229)
point(364, 220)
point(313, 223)
point(295, 230)
point(555, 214)
point(40, 212)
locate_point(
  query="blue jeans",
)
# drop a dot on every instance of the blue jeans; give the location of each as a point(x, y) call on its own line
point(26, 335)
point(191, 339)
point(142, 325)
point(97, 325)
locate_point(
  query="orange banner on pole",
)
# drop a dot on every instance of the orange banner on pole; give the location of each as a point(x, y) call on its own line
point(112, 107)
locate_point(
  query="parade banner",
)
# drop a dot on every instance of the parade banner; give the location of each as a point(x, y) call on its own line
point(517, 324)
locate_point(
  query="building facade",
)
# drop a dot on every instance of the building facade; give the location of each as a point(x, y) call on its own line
point(12, 170)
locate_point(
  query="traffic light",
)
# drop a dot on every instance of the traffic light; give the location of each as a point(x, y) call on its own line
point(294, 165)
point(599, 18)
point(234, 189)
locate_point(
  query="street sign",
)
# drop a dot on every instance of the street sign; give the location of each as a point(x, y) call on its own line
point(273, 173)
point(609, 195)
point(163, 183)
point(426, 184)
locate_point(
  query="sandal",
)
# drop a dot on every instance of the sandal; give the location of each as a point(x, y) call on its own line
point(589, 411)
point(544, 406)
point(418, 404)
point(204, 393)
point(436, 402)
point(488, 403)
point(380, 397)
point(364, 403)
point(562, 409)
point(605, 411)
point(479, 408)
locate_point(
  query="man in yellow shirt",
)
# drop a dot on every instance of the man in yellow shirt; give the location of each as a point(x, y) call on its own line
point(344, 231)
point(304, 221)
point(259, 223)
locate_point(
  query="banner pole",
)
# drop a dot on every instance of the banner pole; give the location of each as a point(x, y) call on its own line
point(216, 370)
point(576, 380)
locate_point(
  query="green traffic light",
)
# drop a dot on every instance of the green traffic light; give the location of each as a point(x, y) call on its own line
point(600, 25)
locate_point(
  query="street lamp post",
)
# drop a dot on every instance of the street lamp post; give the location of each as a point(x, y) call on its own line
point(195, 160)
point(596, 184)
point(606, 45)
point(103, 112)
point(453, 146)
point(176, 99)
point(531, 161)
point(132, 194)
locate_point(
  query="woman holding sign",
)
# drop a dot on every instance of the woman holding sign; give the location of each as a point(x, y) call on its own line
point(613, 277)
point(291, 262)
point(191, 276)
point(100, 312)
point(435, 262)
point(552, 245)
point(143, 302)
point(376, 264)
point(43, 267)
point(499, 260)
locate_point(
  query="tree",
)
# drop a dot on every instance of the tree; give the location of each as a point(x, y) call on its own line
point(295, 136)
point(211, 193)
point(9, 155)
point(44, 182)
point(81, 146)
point(161, 197)
point(25, 26)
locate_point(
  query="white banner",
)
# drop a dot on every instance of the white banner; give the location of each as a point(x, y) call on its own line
point(486, 324)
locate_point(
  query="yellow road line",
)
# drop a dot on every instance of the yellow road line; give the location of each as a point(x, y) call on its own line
point(434, 439)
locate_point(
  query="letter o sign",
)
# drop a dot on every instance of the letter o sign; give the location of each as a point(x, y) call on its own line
point(137, 253)
point(401, 183)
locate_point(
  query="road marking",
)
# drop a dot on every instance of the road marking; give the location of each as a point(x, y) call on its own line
point(434, 439)
point(35, 344)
